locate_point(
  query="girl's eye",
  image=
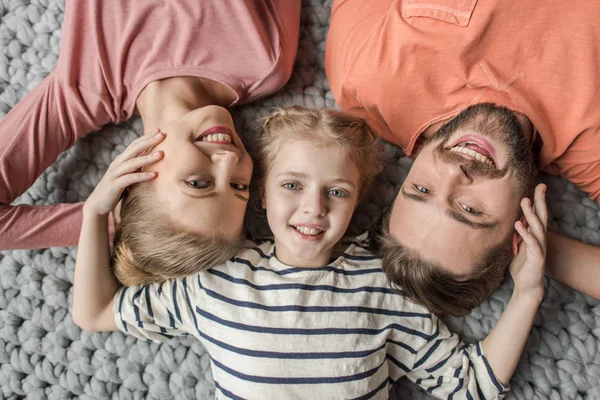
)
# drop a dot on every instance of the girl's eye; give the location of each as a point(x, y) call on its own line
point(338, 193)
point(470, 210)
point(239, 187)
point(291, 186)
point(421, 189)
point(198, 184)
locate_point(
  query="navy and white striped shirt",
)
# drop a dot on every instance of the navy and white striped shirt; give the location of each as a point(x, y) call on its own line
point(274, 331)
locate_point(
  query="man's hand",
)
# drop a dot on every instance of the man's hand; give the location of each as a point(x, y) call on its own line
point(527, 268)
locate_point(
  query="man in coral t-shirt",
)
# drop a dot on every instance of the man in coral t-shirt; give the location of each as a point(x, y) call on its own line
point(478, 92)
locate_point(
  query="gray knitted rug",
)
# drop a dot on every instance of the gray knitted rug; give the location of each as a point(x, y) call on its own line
point(44, 356)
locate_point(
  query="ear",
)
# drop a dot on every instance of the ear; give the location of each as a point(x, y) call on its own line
point(517, 239)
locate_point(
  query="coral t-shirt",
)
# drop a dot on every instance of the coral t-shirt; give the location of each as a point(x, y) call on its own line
point(406, 64)
point(110, 50)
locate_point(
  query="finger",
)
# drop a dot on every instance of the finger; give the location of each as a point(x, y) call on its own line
point(138, 146)
point(152, 132)
point(535, 225)
point(541, 209)
point(533, 246)
point(123, 182)
point(136, 163)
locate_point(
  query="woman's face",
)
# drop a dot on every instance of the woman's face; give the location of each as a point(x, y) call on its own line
point(204, 175)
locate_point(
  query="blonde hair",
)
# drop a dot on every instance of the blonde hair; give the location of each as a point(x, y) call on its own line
point(322, 128)
point(148, 252)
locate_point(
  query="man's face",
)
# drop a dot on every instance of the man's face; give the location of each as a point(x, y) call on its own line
point(462, 193)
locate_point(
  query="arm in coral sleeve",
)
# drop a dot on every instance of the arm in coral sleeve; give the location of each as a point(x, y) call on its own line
point(569, 261)
point(32, 135)
point(574, 263)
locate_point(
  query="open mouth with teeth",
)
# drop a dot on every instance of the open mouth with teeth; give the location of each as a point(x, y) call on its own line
point(308, 233)
point(475, 151)
point(219, 138)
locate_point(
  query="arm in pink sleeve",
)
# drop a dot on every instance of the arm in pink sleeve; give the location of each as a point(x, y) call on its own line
point(32, 135)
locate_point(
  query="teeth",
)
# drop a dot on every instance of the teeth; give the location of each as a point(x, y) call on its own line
point(308, 231)
point(472, 153)
point(216, 137)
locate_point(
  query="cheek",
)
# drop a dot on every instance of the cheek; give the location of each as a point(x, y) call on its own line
point(343, 213)
point(248, 166)
point(502, 195)
point(278, 206)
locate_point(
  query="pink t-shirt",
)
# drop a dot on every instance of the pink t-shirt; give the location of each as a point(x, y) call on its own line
point(110, 51)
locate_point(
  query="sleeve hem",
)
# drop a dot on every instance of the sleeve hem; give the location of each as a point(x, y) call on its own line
point(502, 389)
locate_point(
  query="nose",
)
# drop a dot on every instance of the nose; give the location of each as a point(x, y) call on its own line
point(455, 173)
point(313, 204)
point(224, 163)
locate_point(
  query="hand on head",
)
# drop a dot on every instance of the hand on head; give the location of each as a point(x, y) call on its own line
point(124, 171)
point(527, 268)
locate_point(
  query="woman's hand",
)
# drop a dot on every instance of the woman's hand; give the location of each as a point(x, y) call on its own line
point(527, 268)
point(124, 171)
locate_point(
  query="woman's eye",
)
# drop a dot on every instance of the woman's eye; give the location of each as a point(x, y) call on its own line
point(198, 184)
point(338, 193)
point(239, 187)
point(291, 186)
point(470, 210)
point(421, 189)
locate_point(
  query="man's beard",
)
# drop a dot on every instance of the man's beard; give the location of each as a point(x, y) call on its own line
point(500, 124)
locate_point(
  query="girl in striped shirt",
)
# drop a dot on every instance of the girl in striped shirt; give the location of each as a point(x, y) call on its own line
point(285, 319)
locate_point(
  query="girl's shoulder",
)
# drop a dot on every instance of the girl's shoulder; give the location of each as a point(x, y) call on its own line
point(356, 246)
point(255, 252)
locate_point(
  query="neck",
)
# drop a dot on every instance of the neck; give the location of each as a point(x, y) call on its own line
point(169, 99)
point(287, 258)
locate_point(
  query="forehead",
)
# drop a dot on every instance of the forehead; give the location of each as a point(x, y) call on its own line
point(220, 215)
point(326, 161)
point(441, 240)
point(436, 238)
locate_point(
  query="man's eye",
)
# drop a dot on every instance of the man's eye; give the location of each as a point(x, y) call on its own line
point(291, 186)
point(338, 193)
point(239, 187)
point(198, 184)
point(470, 210)
point(421, 189)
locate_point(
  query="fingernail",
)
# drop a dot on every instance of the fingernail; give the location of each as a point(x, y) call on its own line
point(159, 134)
point(154, 131)
point(156, 154)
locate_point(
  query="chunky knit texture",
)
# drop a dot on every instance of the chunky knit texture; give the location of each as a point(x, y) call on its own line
point(44, 356)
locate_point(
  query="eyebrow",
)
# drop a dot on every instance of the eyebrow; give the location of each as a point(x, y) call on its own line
point(302, 175)
point(453, 214)
point(212, 194)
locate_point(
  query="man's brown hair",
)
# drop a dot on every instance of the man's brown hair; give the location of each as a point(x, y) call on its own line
point(430, 285)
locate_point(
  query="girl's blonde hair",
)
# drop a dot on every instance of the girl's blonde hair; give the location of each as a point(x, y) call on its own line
point(149, 249)
point(322, 128)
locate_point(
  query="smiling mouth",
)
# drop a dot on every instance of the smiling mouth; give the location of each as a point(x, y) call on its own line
point(308, 233)
point(216, 138)
point(474, 151)
point(217, 135)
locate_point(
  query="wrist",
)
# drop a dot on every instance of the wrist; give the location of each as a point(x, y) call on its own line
point(90, 213)
point(529, 297)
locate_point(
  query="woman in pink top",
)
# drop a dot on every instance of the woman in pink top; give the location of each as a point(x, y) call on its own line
point(176, 65)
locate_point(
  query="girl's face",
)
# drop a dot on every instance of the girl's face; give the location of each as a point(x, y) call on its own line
point(310, 194)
